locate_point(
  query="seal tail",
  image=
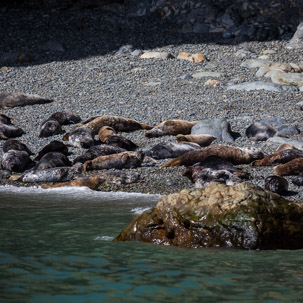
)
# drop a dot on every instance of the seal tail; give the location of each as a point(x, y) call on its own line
point(174, 162)
point(146, 126)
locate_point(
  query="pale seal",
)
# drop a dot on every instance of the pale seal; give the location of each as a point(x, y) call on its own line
point(80, 137)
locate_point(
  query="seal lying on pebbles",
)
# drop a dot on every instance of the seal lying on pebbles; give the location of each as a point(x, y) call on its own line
point(119, 161)
point(53, 146)
point(80, 137)
point(260, 131)
point(276, 184)
point(49, 128)
point(232, 154)
point(97, 151)
point(65, 118)
point(166, 150)
point(293, 167)
point(202, 140)
point(5, 119)
point(9, 100)
point(9, 131)
point(105, 132)
point(16, 145)
point(52, 159)
point(118, 123)
point(15, 160)
point(171, 127)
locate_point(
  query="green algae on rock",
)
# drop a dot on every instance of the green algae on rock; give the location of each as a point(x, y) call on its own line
point(241, 216)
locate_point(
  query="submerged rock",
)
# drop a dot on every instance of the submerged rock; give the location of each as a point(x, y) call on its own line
point(241, 216)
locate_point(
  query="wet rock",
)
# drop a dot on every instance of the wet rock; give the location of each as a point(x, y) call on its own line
point(157, 55)
point(255, 63)
point(241, 216)
point(295, 79)
point(191, 57)
point(259, 85)
point(297, 40)
point(203, 74)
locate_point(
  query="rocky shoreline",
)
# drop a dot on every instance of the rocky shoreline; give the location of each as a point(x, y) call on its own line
point(84, 72)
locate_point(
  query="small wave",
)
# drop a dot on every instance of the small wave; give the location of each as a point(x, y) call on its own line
point(104, 238)
point(139, 210)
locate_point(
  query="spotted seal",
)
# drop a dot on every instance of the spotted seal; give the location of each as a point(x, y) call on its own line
point(14, 144)
point(80, 137)
point(202, 140)
point(276, 184)
point(260, 131)
point(15, 160)
point(52, 159)
point(293, 167)
point(65, 117)
point(53, 146)
point(10, 131)
point(49, 128)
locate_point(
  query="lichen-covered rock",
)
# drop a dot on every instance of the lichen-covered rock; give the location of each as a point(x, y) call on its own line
point(241, 216)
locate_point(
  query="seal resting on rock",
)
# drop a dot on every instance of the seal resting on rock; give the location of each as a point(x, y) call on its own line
point(15, 160)
point(293, 167)
point(118, 123)
point(119, 161)
point(80, 137)
point(52, 159)
point(15, 145)
point(171, 127)
point(9, 100)
point(53, 146)
point(65, 118)
point(228, 153)
point(49, 128)
point(276, 184)
point(202, 140)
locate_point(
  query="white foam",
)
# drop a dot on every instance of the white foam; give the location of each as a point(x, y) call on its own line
point(139, 210)
point(104, 238)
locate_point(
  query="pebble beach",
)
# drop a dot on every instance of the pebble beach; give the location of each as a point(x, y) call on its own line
point(83, 70)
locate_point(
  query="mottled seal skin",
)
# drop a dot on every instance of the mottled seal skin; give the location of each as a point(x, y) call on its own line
point(172, 128)
point(65, 118)
point(202, 140)
point(228, 153)
point(14, 144)
point(49, 128)
point(276, 184)
point(105, 132)
point(10, 131)
point(119, 124)
point(92, 182)
point(15, 161)
point(9, 100)
point(97, 151)
point(80, 137)
point(53, 146)
point(298, 180)
point(282, 156)
point(260, 131)
point(166, 150)
point(52, 159)
point(293, 167)
point(5, 119)
point(118, 161)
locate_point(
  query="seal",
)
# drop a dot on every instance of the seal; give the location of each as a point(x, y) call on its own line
point(53, 146)
point(119, 161)
point(228, 153)
point(105, 132)
point(14, 144)
point(80, 137)
point(97, 151)
point(166, 150)
point(202, 140)
point(260, 131)
point(172, 128)
point(293, 167)
point(9, 100)
point(276, 184)
point(10, 131)
point(5, 119)
point(65, 118)
point(52, 159)
point(92, 182)
point(49, 128)
point(281, 156)
point(15, 160)
point(119, 124)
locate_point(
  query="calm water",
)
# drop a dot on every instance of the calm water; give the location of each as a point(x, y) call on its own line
point(55, 246)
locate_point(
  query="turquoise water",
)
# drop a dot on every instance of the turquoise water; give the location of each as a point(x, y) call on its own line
point(55, 246)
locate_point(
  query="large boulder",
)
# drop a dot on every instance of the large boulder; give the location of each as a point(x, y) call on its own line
point(241, 216)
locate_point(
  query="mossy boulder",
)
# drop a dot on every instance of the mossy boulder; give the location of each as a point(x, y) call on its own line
point(241, 216)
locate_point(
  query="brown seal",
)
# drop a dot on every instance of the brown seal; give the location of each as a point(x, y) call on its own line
point(105, 132)
point(293, 167)
point(228, 153)
point(119, 161)
point(118, 123)
point(171, 127)
point(202, 140)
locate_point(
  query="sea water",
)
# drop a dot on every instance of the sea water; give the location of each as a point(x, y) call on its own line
point(56, 246)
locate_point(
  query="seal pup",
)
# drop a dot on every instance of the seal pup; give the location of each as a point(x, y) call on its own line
point(49, 128)
point(53, 146)
point(232, 154)
point(5, 119)
point(9, 100)
point(92, 182)
point(65, 118)
point(80, 137)
point(166, 150)
point(118, 123)
point(276, 184)
point(119, 161)
point(9, 131)
point(202, 140)
point(171, 127)
point(97, 151)
point(52, 159)
point(16, 145)
point(15, 160)
point(281, 156)
point(293, 167)
point(260, 131)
